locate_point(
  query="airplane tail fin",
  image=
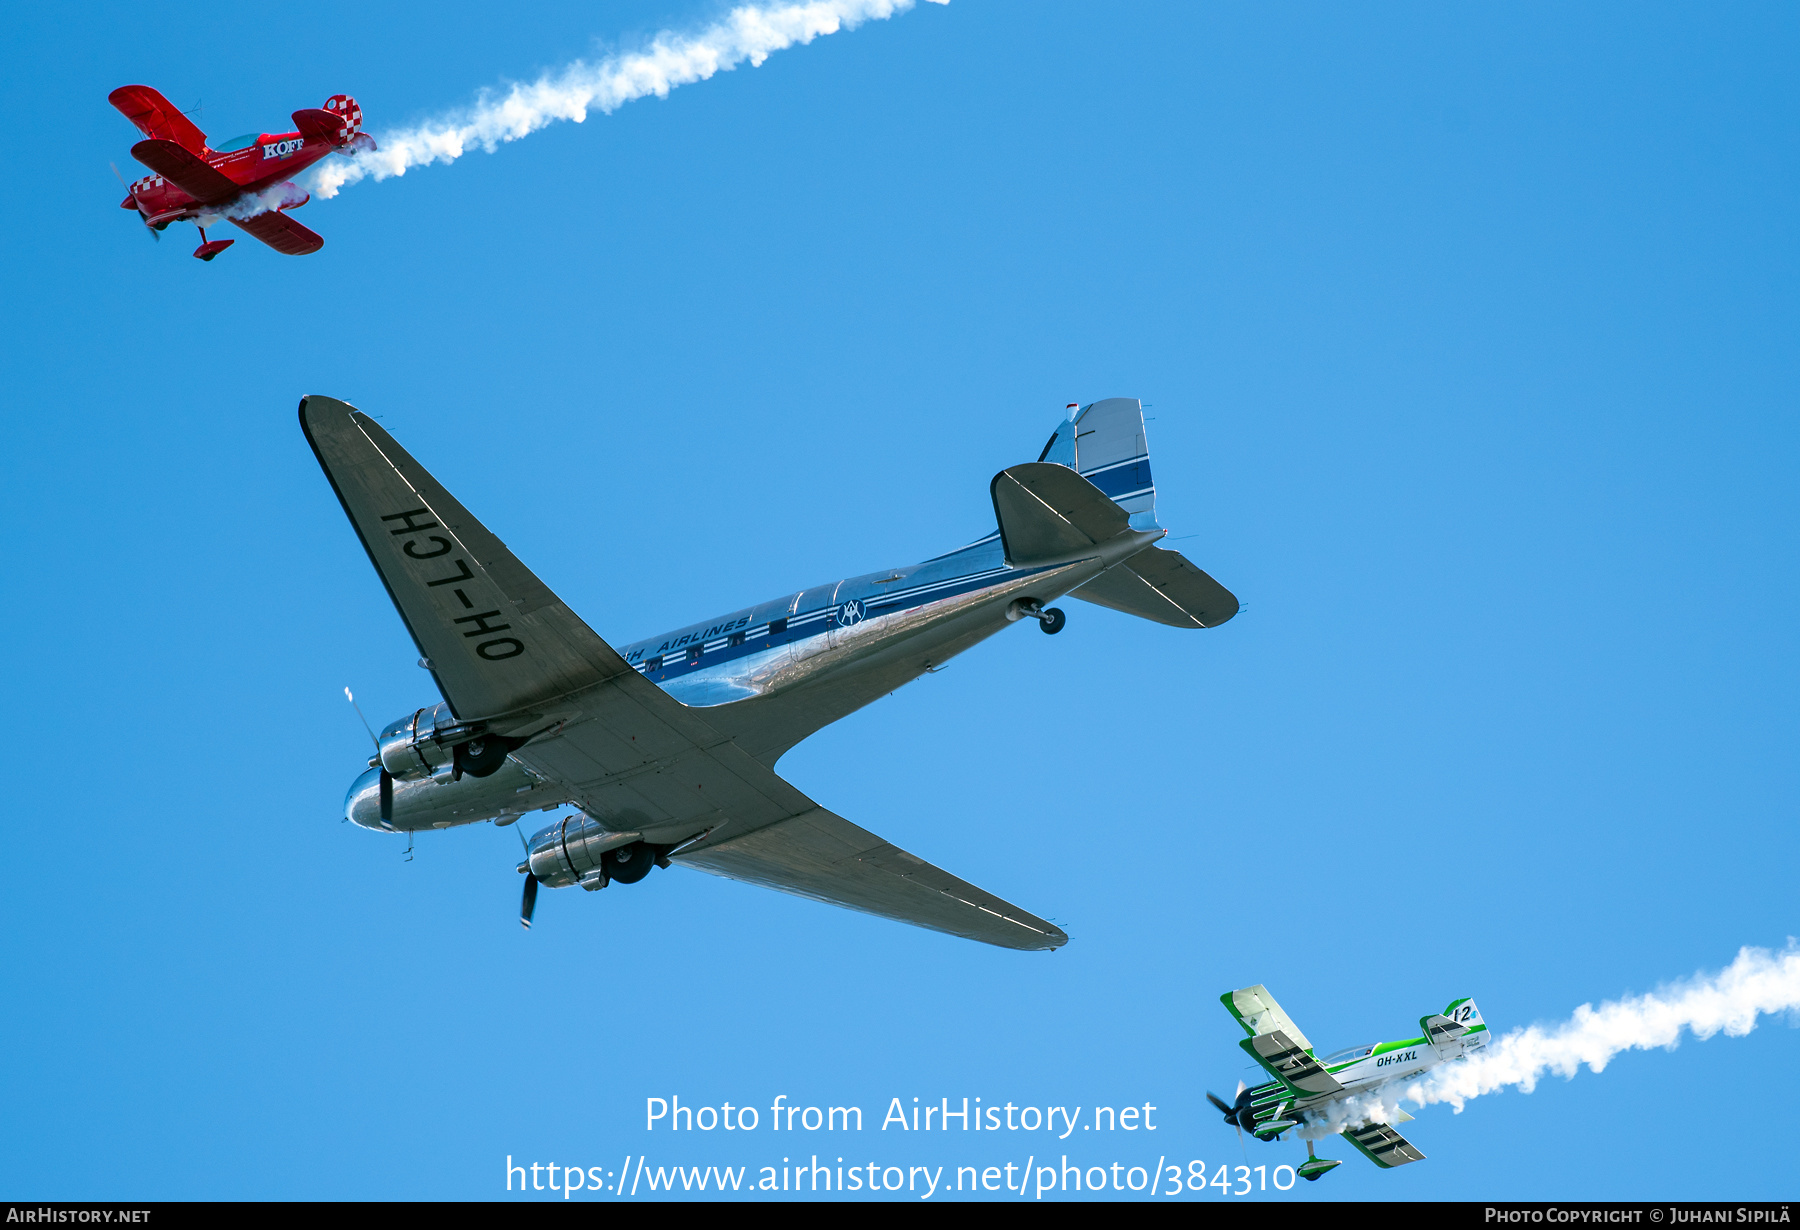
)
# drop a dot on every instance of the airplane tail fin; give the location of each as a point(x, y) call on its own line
point(1464, 1013)
point(344, 107)
point(352, 139)
point(1104, 442)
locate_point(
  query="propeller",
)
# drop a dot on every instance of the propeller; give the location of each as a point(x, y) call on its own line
point(387, 779)
point(142, 213)
point(1234, 1112)
point(528, 905)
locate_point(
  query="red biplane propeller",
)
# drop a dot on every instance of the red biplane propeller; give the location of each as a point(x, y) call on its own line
point(132, 193)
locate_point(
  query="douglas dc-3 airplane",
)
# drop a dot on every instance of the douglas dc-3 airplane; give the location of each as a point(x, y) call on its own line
point(667, 747)
point(244, 180)
point(1332, 1095)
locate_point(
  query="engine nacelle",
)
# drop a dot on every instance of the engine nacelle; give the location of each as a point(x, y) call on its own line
point(410, 746)
point(572, 851)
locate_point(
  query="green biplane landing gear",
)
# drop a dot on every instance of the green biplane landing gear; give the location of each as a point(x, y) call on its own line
point(1313, 1167)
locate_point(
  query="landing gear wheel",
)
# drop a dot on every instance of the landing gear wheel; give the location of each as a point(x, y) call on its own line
point(629, 864)
point(1052, 621)
point(484, 755)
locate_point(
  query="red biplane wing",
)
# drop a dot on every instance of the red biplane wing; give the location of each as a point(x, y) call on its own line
point(157, 117)
point(187, 171)
point(281, 233)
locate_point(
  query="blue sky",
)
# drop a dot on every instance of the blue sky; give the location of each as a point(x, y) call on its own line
point(1467, 341)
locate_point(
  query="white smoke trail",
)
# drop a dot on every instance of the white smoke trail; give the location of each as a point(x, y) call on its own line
point(1759, 982)
point(749, 32)
point(285, 195)
point(1376, 1106)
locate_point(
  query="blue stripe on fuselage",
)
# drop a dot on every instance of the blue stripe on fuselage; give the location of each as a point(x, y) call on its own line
point(976, 566)
point(714, 639)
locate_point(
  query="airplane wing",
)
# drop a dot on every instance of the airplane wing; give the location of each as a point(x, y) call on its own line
point(1382, 1145)
point(186, 170)
point(281, 233)
point(1288, 1062)
point(507, 653)
point(1257, 1011)
point(155, 116)
point(1276, 1042)
point(494, 637)
point(819, 855)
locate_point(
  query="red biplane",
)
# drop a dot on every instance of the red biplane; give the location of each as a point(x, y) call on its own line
point(245, 180)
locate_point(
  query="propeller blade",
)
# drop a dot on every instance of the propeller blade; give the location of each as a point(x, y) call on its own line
point(1225, 1107)
point(347, 694)
point(529, 905)
point(154, 234)
point(387, 796)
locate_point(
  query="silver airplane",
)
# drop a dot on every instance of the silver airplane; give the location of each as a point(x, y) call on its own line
point(666, 748)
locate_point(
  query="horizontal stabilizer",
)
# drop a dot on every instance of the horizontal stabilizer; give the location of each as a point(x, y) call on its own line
point(1384, 1146)
point(1289, 1063)
point(186, 170)
point(317, 124)
point(1439, 1030)
point(155, 116)
point(1162, 586)
point(282, 233)
point(1047, 512)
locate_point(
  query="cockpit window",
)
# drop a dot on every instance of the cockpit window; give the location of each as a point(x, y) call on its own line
point(235, 144)
point(1348, 1056)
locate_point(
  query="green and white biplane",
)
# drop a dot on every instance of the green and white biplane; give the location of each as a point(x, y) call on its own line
point(1324, 1094)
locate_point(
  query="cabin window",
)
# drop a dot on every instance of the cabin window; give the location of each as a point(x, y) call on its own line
point(236, 143)
point(693, 656)
point(737, 638)
point(654, 664)
point(778, 626)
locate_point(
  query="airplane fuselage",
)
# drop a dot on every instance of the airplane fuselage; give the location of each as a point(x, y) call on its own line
point(1388, 1061)
point(841, 644)
point(273, 159)
point(1365, 1070)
